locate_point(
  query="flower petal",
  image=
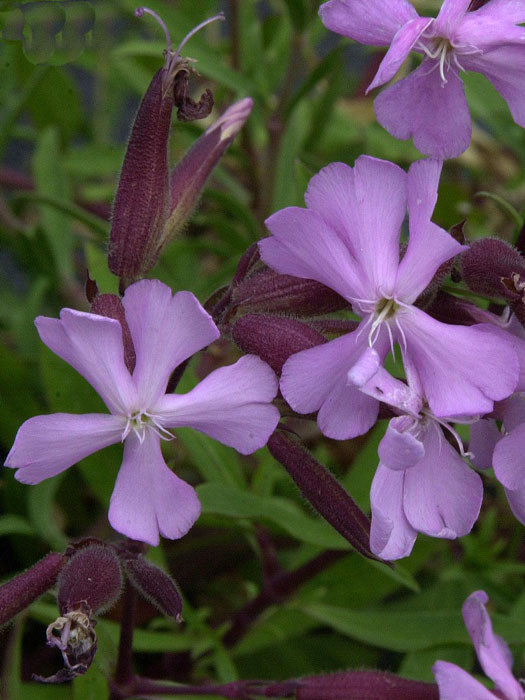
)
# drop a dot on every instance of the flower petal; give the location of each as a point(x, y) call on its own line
point(484, 436)
point(399, 449)
point(450, 16)
point(304, 245)
point(166, 330)
point(429, 245)
point(366, 205)
point(509, 459)
point(462, 369)
point(367, 21)
point(496, 12)
point(93, 346)
point(455, 683)
point(148, 497)
point(47, 445)
point(493, 653)
point(516, 501)
point(442, 495)
point(399, 49)
point(435, 115)
point(384, 387)
point(391, 535)
point(232, 405)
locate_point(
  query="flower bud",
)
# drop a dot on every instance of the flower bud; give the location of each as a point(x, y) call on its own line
point(274, 338)
point(364, 685)
point(21, 591)
point(90, 582)
point(155, 586)
point(323, 491)
point(248, 259)
point(110, 305)
point(267, 290)
point(494, 268)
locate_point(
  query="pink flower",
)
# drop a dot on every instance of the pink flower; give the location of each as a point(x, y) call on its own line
point(422, 484)
point(429, 105)
point(232, 405)
point(493, 654)
point(348, 238)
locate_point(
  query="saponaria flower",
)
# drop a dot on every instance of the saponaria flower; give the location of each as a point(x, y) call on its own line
point(422, 484)
point(348, 238)
point(232, 405)
point(494, 657)
point(429, 105)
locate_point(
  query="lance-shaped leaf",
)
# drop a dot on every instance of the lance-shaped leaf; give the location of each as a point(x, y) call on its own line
point(142, 201)
point(111, 306)
point(21, 591)
point(323, 491)
point(274, 338)
point(155, 585)
point(355, 685)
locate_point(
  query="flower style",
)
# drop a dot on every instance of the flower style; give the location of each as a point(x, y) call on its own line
point(493, 654)
point(348, 238)
point(429, 105)
point(232, 405)
point(422, 484)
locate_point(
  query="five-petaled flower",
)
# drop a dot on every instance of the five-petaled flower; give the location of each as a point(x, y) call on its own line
point(429, 105)
point(494, 657)
point(232, 405)
point(348, 238)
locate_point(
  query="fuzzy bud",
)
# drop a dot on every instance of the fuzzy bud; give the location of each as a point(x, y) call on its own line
point(21, 591)
point(323, 491)
point(494, 268)
point(90, 582)
point(111, 306)
point(155, 586)
point(274, 338)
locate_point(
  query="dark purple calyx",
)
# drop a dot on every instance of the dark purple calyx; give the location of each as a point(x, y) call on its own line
point(155, 586)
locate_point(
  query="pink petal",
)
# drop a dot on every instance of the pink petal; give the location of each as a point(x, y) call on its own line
point(231, 405)
point(509, 459)
point(316, 380)
point(93, 346)
point(429, 245)
point(304, 245)
point(384, 387)
point(516, 501)
point(391, 535)
point(513, 411)
point(493, 653)
point(484, 436)
point(456, 380)
point(436, 116)
point(166, 330)
point(149, 498)
point(455, 683)
point(399, 449)
point(400, 47)
point(442, 495)
point(451, 14)
point(367, 21)
point(497, 12)
point(366, 205)
point(47, 445)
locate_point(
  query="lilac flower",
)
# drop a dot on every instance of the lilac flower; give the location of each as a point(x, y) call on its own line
point(348, 238)
point(231, 405)
point(429, 105)
point(493, 654)
point(422, 484)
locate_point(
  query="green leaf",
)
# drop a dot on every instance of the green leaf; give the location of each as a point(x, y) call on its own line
point(14, 525)
point(284, 189)
point(216, 462)
point(298, 11)
point(42, 514)
point(92, 686)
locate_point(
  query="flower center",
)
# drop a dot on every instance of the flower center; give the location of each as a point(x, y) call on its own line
point(385, 310)
point(140, 421)
point(444, 51)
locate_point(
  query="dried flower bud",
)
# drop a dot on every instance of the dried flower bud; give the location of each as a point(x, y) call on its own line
point(90, 582)
point(21, 591)
point(187, 109)
point(494, 268)
point(274, 338)
point(110, 305)
point(323, 491)
point(155, 586)
point(271, 292)
point(74, 635)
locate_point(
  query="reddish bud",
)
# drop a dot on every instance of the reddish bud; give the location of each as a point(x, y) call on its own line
point(274, 338)
point(142, 201)
point(155, 586)
point(449, 309)
point(269, 291)
point(323, 491)
point(90, 582)
point(110, 305)
point(21, 591)
point(333, 326)
point(494, 268)
point(248, 259)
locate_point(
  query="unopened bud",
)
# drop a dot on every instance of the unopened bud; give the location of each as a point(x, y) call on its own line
point(323, 491)
point(21, 591)
point(155, 586)
point(274, 338)
point(269, 291)
point(494, 268)
point(248, 259)
point(452, 310)
point(90, 582)
point(111, 306)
